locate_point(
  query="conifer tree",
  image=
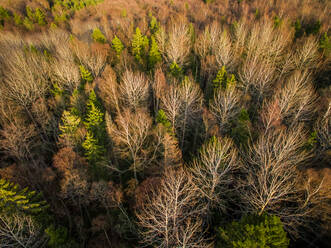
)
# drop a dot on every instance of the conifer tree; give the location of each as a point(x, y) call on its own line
point(139, 45)
point(253, 231)
point(93, 151)
point(154, 55)
point(175, 69)
point(94, 120)
point(69, 126)
point(13, 199)
point(85, 74)
point(117, 45)
point(98, 36)
point(161, 118)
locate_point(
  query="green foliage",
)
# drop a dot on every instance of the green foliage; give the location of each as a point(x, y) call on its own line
point(124, 13)
point(59, 238)
point(36, 16)
point(154, 55)
point(93, 151)
point(312, 141)
point(154, 26)
point(117, 45)
point(4, 14)
point(18, 19)
point(252, 232)
point(222, 81)
point(94, 121)
point(161, 118)
point(139, 45)
point(85, 74)
point(98, 36)
point(13, 199)
point(277, 21)
point(28, 24)
point(313, 27)
point(69, 126)
point(299, 31)
point(56, 90)
point(175, 70)
point(325, 44)
point(240, 132)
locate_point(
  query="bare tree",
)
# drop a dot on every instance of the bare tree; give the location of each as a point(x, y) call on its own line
point(20, 231)
point(323, 131)
point(257, 75)
point(183, 106)
point(297, 99)
point(212, 171)
point(133, 139)
point(306, 56)
point(133, 90)
point(178, 45)
point(17, 140)
point(225, 106)
point(272, 175)
point(169, 216)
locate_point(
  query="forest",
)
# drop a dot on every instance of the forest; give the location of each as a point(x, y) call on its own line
point(168, 123)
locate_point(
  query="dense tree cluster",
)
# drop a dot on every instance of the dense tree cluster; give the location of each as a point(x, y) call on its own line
point(165, 124)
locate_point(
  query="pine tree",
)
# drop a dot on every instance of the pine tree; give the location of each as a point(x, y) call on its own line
point(253, 231)
point(85, 74)
point(139, 45)
point(94, 121)
point(69, 127)
point(93, 151)
point(175, 70)
point(117, 45)
point(39, 17)
point(153, 25)
point(13, 199)
point(98, 36)
point(154, 55)
point(161, 118)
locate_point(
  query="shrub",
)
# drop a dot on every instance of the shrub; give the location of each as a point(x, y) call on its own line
point(253, 231)
point(175, 70)
point(98, 36)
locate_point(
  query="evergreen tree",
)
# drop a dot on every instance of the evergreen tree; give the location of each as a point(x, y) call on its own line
point(69, 127)
point(154, 55)
point(94, 120)
point(117, 45)
point(223, 80)
point(85, 74)
point(161, 118)
point(13, 199)
point(252, 232)
point(93, 151)
point(139, 45)
point(175, 70)
point(98, 36)
point(240, 131)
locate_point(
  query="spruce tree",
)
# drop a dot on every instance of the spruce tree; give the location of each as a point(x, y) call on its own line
point(98, 36)
point(69, 127)
point(154, 55)
point(252, 232)
point(85, 74)
point(13, 199)
point(139, 45)
point(118, 46)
